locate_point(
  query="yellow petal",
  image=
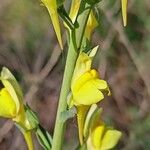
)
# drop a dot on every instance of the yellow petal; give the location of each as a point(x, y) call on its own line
point(83, 63)
point(85, 91)
point(89, 75)
point(100, 84)
point(81, 115)
point(124, 11)
point(110, 139)
point(51, 6)
point(91, 25)
point(87, 95)
point(12, 86)
point(97, 136)
point(89, 144)
point(74, 9)
point(7, 105)
point(87, 125)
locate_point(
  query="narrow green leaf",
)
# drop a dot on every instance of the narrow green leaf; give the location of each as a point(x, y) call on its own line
point(44, 138)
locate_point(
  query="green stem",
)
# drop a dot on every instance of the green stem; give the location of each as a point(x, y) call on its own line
point(28, 138)
point(69, 69)
point(59, 124)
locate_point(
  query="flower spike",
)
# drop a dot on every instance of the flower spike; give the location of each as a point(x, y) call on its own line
point(124, 11)
point(86, 88)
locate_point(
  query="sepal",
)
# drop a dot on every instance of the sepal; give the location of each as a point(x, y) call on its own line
point(32, 117)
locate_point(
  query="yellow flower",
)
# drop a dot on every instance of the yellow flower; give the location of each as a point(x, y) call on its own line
point(86, 88)
point(124, 11)
point(103, 138)
point(11, 104)
point(51, 6)
point(91, 23)
point(9, 110)
point(11, 99)
point(99, 137)
point(7, 105)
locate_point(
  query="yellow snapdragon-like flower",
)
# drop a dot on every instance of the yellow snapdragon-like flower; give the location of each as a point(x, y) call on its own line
point(124, 11)
point(11, 99)
point(7, 105)
point(11, 104)
point(98, 135)
point(91, 23)
point(51, 6)
point(86, 88)
point(102, 138)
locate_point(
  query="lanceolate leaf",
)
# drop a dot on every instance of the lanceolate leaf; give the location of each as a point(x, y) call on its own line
point(44, 138)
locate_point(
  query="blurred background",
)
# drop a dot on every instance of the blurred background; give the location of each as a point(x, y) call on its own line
point(28, 47)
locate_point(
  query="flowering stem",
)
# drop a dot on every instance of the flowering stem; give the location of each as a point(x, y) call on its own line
point(59, 124)
point(69, 69)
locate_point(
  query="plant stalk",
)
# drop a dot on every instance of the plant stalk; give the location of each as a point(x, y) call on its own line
point(28, 139)
point(62, 106)
point(72, 55)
